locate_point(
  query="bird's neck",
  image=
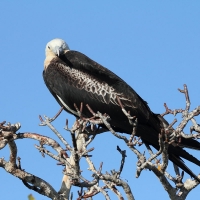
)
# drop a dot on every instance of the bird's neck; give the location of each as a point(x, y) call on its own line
point(48, 59)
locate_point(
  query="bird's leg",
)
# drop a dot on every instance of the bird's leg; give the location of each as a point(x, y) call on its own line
point(79, 111)
point(95, 119)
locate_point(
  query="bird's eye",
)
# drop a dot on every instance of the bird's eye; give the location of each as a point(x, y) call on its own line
point(49, 47)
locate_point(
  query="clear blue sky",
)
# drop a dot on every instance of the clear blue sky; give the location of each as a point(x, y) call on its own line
point(153, 45)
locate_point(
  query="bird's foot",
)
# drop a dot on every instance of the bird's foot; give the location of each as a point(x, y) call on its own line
point(89, 123)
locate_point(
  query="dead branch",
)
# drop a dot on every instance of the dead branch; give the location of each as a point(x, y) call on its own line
point(83, 132)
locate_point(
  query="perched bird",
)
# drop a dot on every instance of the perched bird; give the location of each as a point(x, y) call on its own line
point(72, 77)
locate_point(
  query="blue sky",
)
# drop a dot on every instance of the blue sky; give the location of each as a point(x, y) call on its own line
point(153, 45)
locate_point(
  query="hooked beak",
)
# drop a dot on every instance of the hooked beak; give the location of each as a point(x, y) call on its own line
point(58, 51)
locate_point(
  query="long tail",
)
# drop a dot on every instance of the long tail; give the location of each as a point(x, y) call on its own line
point(175, 155)
point(177, 152)
point(179, 162)
point(188, 143)
point(149, 134)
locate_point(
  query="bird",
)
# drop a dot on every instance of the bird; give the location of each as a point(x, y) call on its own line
point(73, 78)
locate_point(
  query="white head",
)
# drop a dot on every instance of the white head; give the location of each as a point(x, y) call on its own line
point(57, 47)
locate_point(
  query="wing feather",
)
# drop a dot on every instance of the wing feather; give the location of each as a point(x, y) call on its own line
point(75, 77)
point(130, 98)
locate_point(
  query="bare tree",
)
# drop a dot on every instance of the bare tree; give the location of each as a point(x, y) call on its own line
point(83, 133)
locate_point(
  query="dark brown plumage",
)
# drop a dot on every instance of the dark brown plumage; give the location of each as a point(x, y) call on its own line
point(72, 78)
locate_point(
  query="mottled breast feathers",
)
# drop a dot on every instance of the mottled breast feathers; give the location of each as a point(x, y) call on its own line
point(76, 74)
point(96, 89)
